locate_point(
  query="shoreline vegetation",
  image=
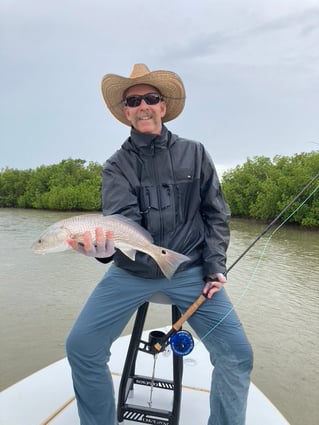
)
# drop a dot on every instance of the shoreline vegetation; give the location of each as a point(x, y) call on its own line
point(259, 189)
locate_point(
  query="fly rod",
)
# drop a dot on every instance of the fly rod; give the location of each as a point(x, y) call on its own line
point(159, 346)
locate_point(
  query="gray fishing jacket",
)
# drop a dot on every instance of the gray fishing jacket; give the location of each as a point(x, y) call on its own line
point(168, 185)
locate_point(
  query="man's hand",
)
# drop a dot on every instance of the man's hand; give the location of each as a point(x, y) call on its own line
point(102, 248)
point(214, 283)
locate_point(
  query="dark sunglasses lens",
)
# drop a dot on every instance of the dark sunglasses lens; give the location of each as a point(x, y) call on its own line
point(150, 99)
point(133, 101)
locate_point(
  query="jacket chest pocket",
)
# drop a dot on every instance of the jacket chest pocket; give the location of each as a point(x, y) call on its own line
point(157, 207)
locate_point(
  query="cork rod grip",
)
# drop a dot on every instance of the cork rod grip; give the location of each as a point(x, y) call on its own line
point(191, 310)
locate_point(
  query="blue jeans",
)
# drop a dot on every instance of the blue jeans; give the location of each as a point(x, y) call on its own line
point(107, 311)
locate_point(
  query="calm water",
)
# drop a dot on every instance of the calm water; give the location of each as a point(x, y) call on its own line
point(276, 296)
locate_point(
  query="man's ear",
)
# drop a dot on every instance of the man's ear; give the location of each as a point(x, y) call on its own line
point(126, 112)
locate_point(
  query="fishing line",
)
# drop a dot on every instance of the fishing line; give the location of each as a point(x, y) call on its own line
point(178, 345)
point(270, 225)
point(256, 268)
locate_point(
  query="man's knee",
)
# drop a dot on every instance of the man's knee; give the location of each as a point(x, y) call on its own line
point(245, 357)
point(73, 345)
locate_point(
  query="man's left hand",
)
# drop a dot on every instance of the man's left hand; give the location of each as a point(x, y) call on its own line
point(214, 283)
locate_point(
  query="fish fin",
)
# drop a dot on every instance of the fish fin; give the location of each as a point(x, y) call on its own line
point(169, 261)
point(129, 252)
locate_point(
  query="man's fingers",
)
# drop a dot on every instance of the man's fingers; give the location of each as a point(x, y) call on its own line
point(100, 241)
point(73, 244)
point(99, 236)
point(211, 288)
point(109, 235)
point(87, 241)
point(110, 246)
point(101, 246)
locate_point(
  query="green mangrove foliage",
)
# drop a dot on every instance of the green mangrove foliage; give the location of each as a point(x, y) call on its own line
point(261, 188)
point(69, 185)
point(258, 189)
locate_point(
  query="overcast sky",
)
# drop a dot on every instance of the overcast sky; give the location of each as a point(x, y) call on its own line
point(250, 68)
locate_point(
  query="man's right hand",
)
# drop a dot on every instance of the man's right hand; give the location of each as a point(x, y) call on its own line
point(214, 283)
point(102, 248)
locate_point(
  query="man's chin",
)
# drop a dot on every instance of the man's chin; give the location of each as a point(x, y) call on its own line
point(145, 126)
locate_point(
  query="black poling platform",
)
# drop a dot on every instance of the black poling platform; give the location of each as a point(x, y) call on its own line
point(145, 414)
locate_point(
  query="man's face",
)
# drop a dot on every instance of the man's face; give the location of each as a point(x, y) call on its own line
point(145, 118)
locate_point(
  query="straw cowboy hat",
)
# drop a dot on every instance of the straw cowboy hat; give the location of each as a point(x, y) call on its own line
point(167, 83)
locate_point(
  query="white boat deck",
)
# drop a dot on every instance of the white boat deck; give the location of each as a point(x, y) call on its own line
point(47, 397)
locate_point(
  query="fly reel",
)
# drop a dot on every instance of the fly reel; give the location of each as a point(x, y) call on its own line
point(182, 343)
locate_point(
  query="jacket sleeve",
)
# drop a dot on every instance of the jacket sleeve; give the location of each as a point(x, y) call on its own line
point(215, 214)
point(118, 195)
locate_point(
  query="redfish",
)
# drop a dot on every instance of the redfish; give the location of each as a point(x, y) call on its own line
point(128, 236)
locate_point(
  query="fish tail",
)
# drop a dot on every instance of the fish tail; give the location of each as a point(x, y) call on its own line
point(169, 261)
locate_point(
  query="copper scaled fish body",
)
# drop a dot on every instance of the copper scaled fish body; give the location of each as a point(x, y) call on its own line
point(128, 236)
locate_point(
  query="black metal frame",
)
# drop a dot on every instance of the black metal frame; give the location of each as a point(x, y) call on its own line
point(144, 414)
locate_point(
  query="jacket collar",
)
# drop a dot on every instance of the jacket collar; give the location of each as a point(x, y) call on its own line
point(148, 143)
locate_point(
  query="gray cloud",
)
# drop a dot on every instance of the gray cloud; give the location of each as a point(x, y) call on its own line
point(250, 71)
point(301, 21)
point(209, 44)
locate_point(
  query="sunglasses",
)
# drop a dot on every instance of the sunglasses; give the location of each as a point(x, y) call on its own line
point(149, 99)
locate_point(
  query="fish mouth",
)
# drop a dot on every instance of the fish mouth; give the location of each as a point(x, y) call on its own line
point(37, 250)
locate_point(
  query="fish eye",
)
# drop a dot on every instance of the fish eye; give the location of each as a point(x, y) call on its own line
point(40, 241)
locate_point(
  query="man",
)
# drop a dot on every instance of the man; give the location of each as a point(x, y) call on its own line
point(169, 185)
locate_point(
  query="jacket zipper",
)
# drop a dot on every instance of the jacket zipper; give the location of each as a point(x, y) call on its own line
point(159, 200)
